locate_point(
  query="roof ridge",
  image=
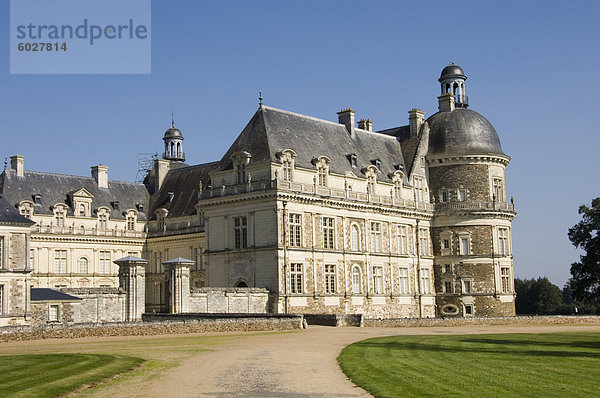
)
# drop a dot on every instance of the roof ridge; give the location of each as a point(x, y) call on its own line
point(76, 176)
point(302, 116)
point(196, 166)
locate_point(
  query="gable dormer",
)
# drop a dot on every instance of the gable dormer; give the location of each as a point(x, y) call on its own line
point(81, 202)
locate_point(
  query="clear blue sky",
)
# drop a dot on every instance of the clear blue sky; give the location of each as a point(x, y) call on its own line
point(532, 70)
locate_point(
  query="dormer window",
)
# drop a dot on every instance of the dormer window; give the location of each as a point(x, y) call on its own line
point(103, 218)
point(82, 210)
point(131, 220)
point(240, 161)
point(399, 166)
point(377, 163)
point(26, 208)
point(322, 164)
point(37, 199)
point(115, 205)
point(60, 214)
point(140, 207)
point(371, 174)
point(353, 160)
point(287, 157)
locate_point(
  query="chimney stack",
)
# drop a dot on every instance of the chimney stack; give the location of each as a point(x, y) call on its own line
point(365, 124)
point(100, 174)
point(416, 117)
point(346, 117)
point(446, 102)
point(161, 168)
point(16, 163)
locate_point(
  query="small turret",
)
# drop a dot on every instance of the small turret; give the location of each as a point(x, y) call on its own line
point(452, 80)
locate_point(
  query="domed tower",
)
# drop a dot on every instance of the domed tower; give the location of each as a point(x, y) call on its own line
point(471, 228)
point(173, 144)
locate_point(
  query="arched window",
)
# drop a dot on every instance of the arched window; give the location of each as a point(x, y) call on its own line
point(356, 280)
point(81, 210)
point(83, 265)
point(354, 238)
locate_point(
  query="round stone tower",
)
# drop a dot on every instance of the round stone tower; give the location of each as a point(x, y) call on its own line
point(472, 223)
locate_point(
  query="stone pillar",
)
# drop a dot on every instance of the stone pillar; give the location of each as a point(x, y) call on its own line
point(178, 279)
point(132, 279)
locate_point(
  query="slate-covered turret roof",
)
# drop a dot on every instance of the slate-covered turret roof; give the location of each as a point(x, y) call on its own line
point(55, 188)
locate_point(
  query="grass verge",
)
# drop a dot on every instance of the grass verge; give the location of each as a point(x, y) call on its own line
point(51, 375)
point(507, 365)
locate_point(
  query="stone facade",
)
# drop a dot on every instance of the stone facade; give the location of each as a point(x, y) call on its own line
point(329, 218)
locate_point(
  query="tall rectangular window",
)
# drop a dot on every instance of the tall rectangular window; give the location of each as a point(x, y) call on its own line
point(423, 241)
point(356, 280)
point(296, 278)
point(503, 241)
point(498, 190)
point(1, 299)
point(375, 237)
point(131, 223)
point(403, 275)
point(419, 189)
point(398, 189)
point(287, 170)
point(328, 232)
point(378, 280)
point(295, 230)
point(467, 286)
point(462, 195)
point(102, 221)
point(1, 251)
point(402, 239)
point(505, 279)
point(425, 281)
point(53, 313)
point(31, 261)
point(240, 232)
point(464, 246)
point(59, 218)
point(330, 279)
point(448, 287)
point(104, 261)
point(354, 238)
point(322, 176)
point(60, 261)
point(240, 172)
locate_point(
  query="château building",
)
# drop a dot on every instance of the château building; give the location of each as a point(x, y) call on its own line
point(330, 217)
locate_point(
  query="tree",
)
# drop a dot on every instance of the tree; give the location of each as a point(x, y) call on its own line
point(585, 281)
point(537, 296)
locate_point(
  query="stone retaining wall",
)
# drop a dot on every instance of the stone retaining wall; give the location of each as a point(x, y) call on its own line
point(224, 324)
point(533, 320)
point(229, 300)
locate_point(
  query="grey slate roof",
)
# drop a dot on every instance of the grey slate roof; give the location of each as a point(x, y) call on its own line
point(272, 130)
point(46, 294)
point(54, 188)
point(462, 132)
point(9, 214)
point(409, 144)
point(184, 183)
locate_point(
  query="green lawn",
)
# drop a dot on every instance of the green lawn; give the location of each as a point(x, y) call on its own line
point(495, 365)
point(51, 375)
